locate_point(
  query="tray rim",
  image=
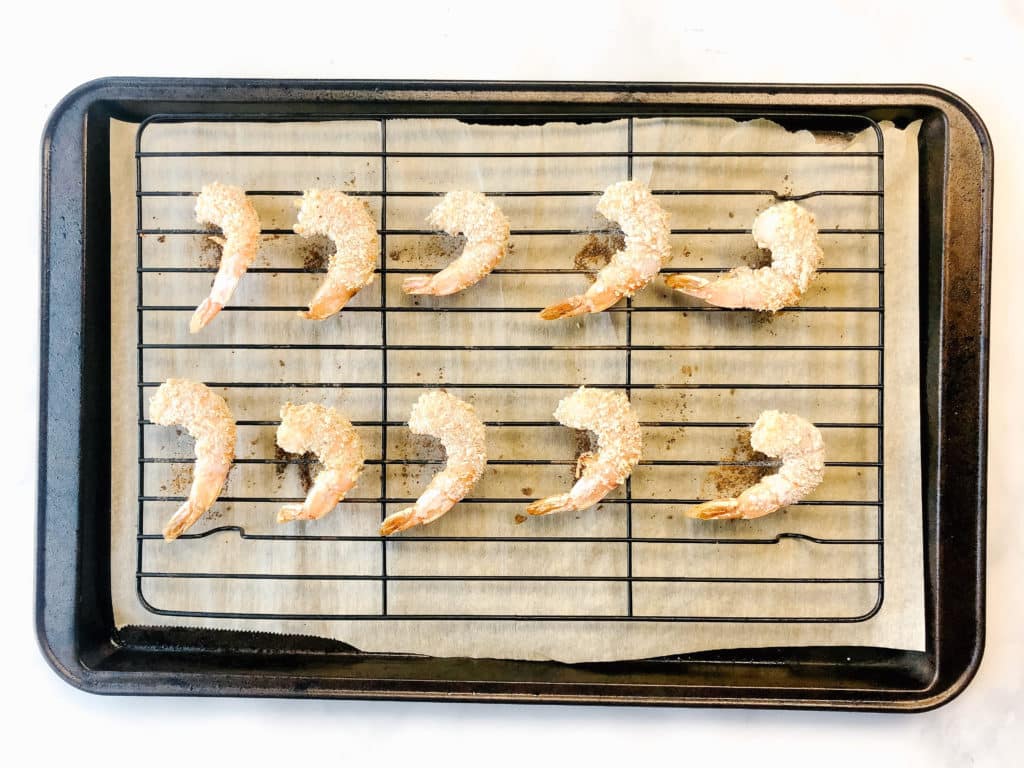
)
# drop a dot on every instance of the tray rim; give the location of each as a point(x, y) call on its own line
point(59, 645)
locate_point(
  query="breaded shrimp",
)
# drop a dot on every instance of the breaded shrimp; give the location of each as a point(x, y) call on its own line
point(208, 419)
point(794, 440)
point(790, 233)
point(609, 415)
point(645, 225)
point(346, 221)
point(461, 432)
point(228, 208)
point(328, 434)
point(487, 231)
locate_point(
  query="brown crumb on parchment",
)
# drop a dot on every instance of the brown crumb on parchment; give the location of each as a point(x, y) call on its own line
point(316, 252)
point(307, 466)
point(527, 491)
point(728, 480)
point(181, 480)
point(520, 519)
point(584, 441)
point(757, 258)
point(596, 252)
point(428, 251)
point(209, 253)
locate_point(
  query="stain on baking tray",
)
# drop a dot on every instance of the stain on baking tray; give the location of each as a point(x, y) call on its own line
point(596, 252)
point(742, 467)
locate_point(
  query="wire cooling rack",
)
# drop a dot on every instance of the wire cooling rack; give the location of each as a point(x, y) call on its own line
point(627, 581)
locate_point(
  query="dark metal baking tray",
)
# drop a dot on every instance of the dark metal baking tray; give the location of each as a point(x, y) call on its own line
point(73, 611)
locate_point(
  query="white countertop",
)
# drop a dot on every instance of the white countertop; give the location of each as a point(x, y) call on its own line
point(970, 49)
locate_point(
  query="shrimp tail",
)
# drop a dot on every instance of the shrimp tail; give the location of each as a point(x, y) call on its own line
point(571, 307)
point(551, 504)
point(187, 514)
point(204, 313)
point(328, 302)
point(418, 284)
point(689, 284)
point(399, 521)
point(719, 509)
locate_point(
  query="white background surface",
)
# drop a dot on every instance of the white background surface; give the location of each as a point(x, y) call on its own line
point(972, 48)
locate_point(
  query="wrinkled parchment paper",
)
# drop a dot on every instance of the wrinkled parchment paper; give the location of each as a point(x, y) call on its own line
point(899, 623)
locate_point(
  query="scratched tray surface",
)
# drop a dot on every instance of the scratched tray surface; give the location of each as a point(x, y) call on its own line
point(697, 376)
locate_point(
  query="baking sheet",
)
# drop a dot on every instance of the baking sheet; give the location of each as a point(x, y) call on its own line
point(899, 623)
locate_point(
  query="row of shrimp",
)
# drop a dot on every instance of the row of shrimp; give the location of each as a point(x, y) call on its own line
point(786, 229)
point(608, 414)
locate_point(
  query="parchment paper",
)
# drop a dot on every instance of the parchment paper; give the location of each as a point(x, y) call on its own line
point(899, 623)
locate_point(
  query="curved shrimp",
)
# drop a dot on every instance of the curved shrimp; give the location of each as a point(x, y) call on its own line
point(461, 432)
point(794, 440)
point(645, 225)
point(228, 208)
point(609, 415)
point(487, 232)
point(789, 231)
point(346, 221)
point(208, 419)
point(328, 434)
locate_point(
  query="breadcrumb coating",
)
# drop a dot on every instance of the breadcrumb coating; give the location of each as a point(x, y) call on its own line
point(609, 415)
point(207, 418)
point(327, 433)
point(800, 446)
point(461, 432)
point(347, 222)
point(645, 225)
point(790, 232)
point(229, 208)
point(487, 235)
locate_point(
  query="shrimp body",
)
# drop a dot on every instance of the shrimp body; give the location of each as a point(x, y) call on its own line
point(208, 419)
point(228, 208)
point(346, 221)
point(611, 417)
point(461, 432)
point(328, 434)
point(645, 225)
point(487, 232)
point(789, 231)
point(794, 440)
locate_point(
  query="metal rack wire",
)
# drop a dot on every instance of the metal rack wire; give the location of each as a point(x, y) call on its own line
point(634, 342)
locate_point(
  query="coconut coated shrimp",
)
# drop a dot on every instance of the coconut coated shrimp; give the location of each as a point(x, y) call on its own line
point(609, 415)
point(346, 221)
point(208, 419)
point(328, 434)
point(645, 225)
point(794, 440)
point(487, 231)
point(461, 432)
point(790, 233)
point(229, 209)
